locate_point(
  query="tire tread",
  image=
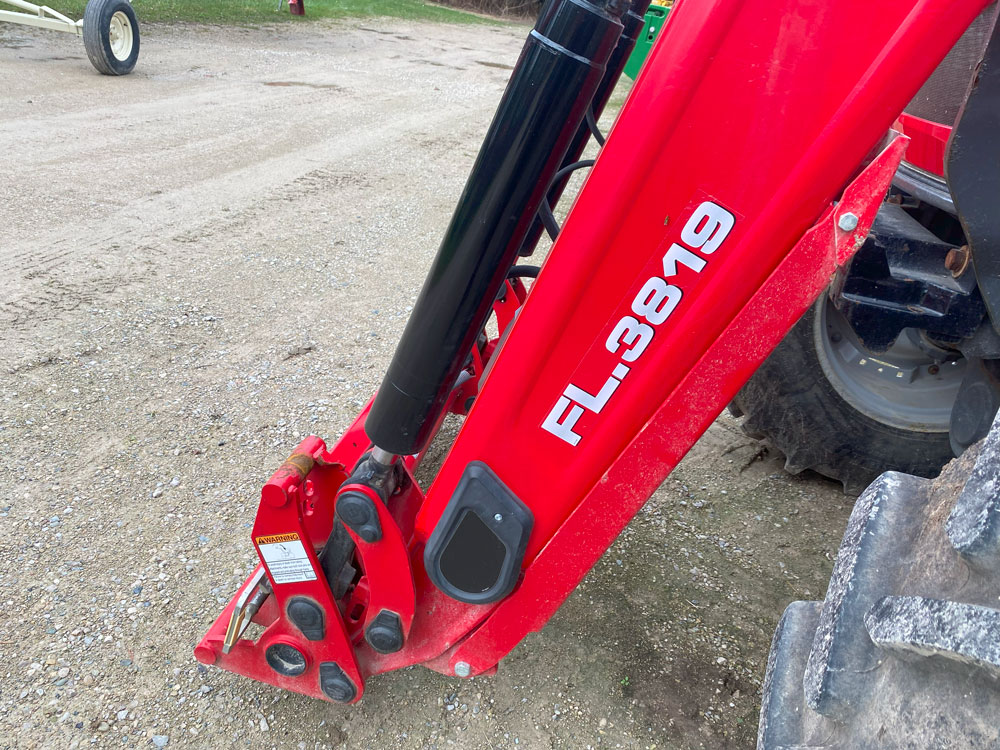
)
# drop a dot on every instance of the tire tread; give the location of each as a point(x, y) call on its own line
point(905, 648)
point(790, 403)
point(94, 23)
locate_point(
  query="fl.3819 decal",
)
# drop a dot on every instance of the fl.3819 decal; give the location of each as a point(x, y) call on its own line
point(704, 231)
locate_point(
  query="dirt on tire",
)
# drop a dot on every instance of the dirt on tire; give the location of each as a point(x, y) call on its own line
point(902, 652)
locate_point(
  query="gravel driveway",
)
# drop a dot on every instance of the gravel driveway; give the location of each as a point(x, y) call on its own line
point(207, 260)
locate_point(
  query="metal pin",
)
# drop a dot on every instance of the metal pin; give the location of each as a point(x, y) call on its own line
point(382, 456)
point(246, 607)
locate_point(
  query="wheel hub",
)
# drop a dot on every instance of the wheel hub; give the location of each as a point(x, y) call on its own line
point(120, 36)
point(912, 386)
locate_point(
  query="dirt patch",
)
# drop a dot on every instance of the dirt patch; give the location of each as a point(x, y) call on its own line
point(199, 270)
point(329, 86)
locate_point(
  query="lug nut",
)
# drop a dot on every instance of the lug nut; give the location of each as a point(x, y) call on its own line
point(957, 260)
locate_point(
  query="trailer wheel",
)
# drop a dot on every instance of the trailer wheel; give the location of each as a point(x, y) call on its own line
point(904, 652)
point(111, 36)
point(828, 406)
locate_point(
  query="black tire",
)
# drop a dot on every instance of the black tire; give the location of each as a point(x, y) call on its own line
point(791, 403)
point(111, 36)
point(905, 650)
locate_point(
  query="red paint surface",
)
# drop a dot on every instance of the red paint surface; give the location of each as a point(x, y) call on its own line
point(767, 109)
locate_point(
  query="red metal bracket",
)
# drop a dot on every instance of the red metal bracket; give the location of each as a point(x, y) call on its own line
point(718, 118)
point(385, 564)
point(706, 390)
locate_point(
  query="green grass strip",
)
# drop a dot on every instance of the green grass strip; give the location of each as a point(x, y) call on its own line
point(255, 12)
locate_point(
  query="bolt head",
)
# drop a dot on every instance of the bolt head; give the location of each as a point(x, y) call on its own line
point(957, 260)
point(462, 669)
point(848, 222)
point(497, 517)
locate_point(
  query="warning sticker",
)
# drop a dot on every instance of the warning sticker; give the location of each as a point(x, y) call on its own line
point(278, 538)
point(286, 558)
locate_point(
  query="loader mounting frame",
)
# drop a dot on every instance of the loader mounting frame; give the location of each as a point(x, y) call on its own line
point(746, 166)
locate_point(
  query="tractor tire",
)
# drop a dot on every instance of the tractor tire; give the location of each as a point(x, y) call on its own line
point(814, 402)
point(111, 36)
point(904, 652)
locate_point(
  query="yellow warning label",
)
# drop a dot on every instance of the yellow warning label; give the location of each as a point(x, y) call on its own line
point(278, 538)
point(286, 558)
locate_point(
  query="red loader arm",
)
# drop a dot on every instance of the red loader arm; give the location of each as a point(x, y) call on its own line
point(747, 164)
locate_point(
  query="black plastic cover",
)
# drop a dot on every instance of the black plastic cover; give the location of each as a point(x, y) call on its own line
point(358, 511)
point(307, 616)
point(976, 404)
point(336, 685)
point(474, 554)
point(285, 659)
point(385, 633)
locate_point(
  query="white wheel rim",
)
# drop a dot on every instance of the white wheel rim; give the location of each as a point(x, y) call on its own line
point(120, 36)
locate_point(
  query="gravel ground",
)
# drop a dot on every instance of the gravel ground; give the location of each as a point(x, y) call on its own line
point(213, 257)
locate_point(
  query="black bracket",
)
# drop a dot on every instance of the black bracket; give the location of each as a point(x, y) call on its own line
point(974, 181)
point(474, 554)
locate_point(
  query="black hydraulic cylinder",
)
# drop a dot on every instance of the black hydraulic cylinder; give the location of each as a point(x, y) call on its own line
point(634, 22)
point(555, 79)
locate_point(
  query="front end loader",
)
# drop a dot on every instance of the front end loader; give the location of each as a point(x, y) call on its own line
point(746, 166)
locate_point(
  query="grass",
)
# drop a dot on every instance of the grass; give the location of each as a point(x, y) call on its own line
point(251, 12)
